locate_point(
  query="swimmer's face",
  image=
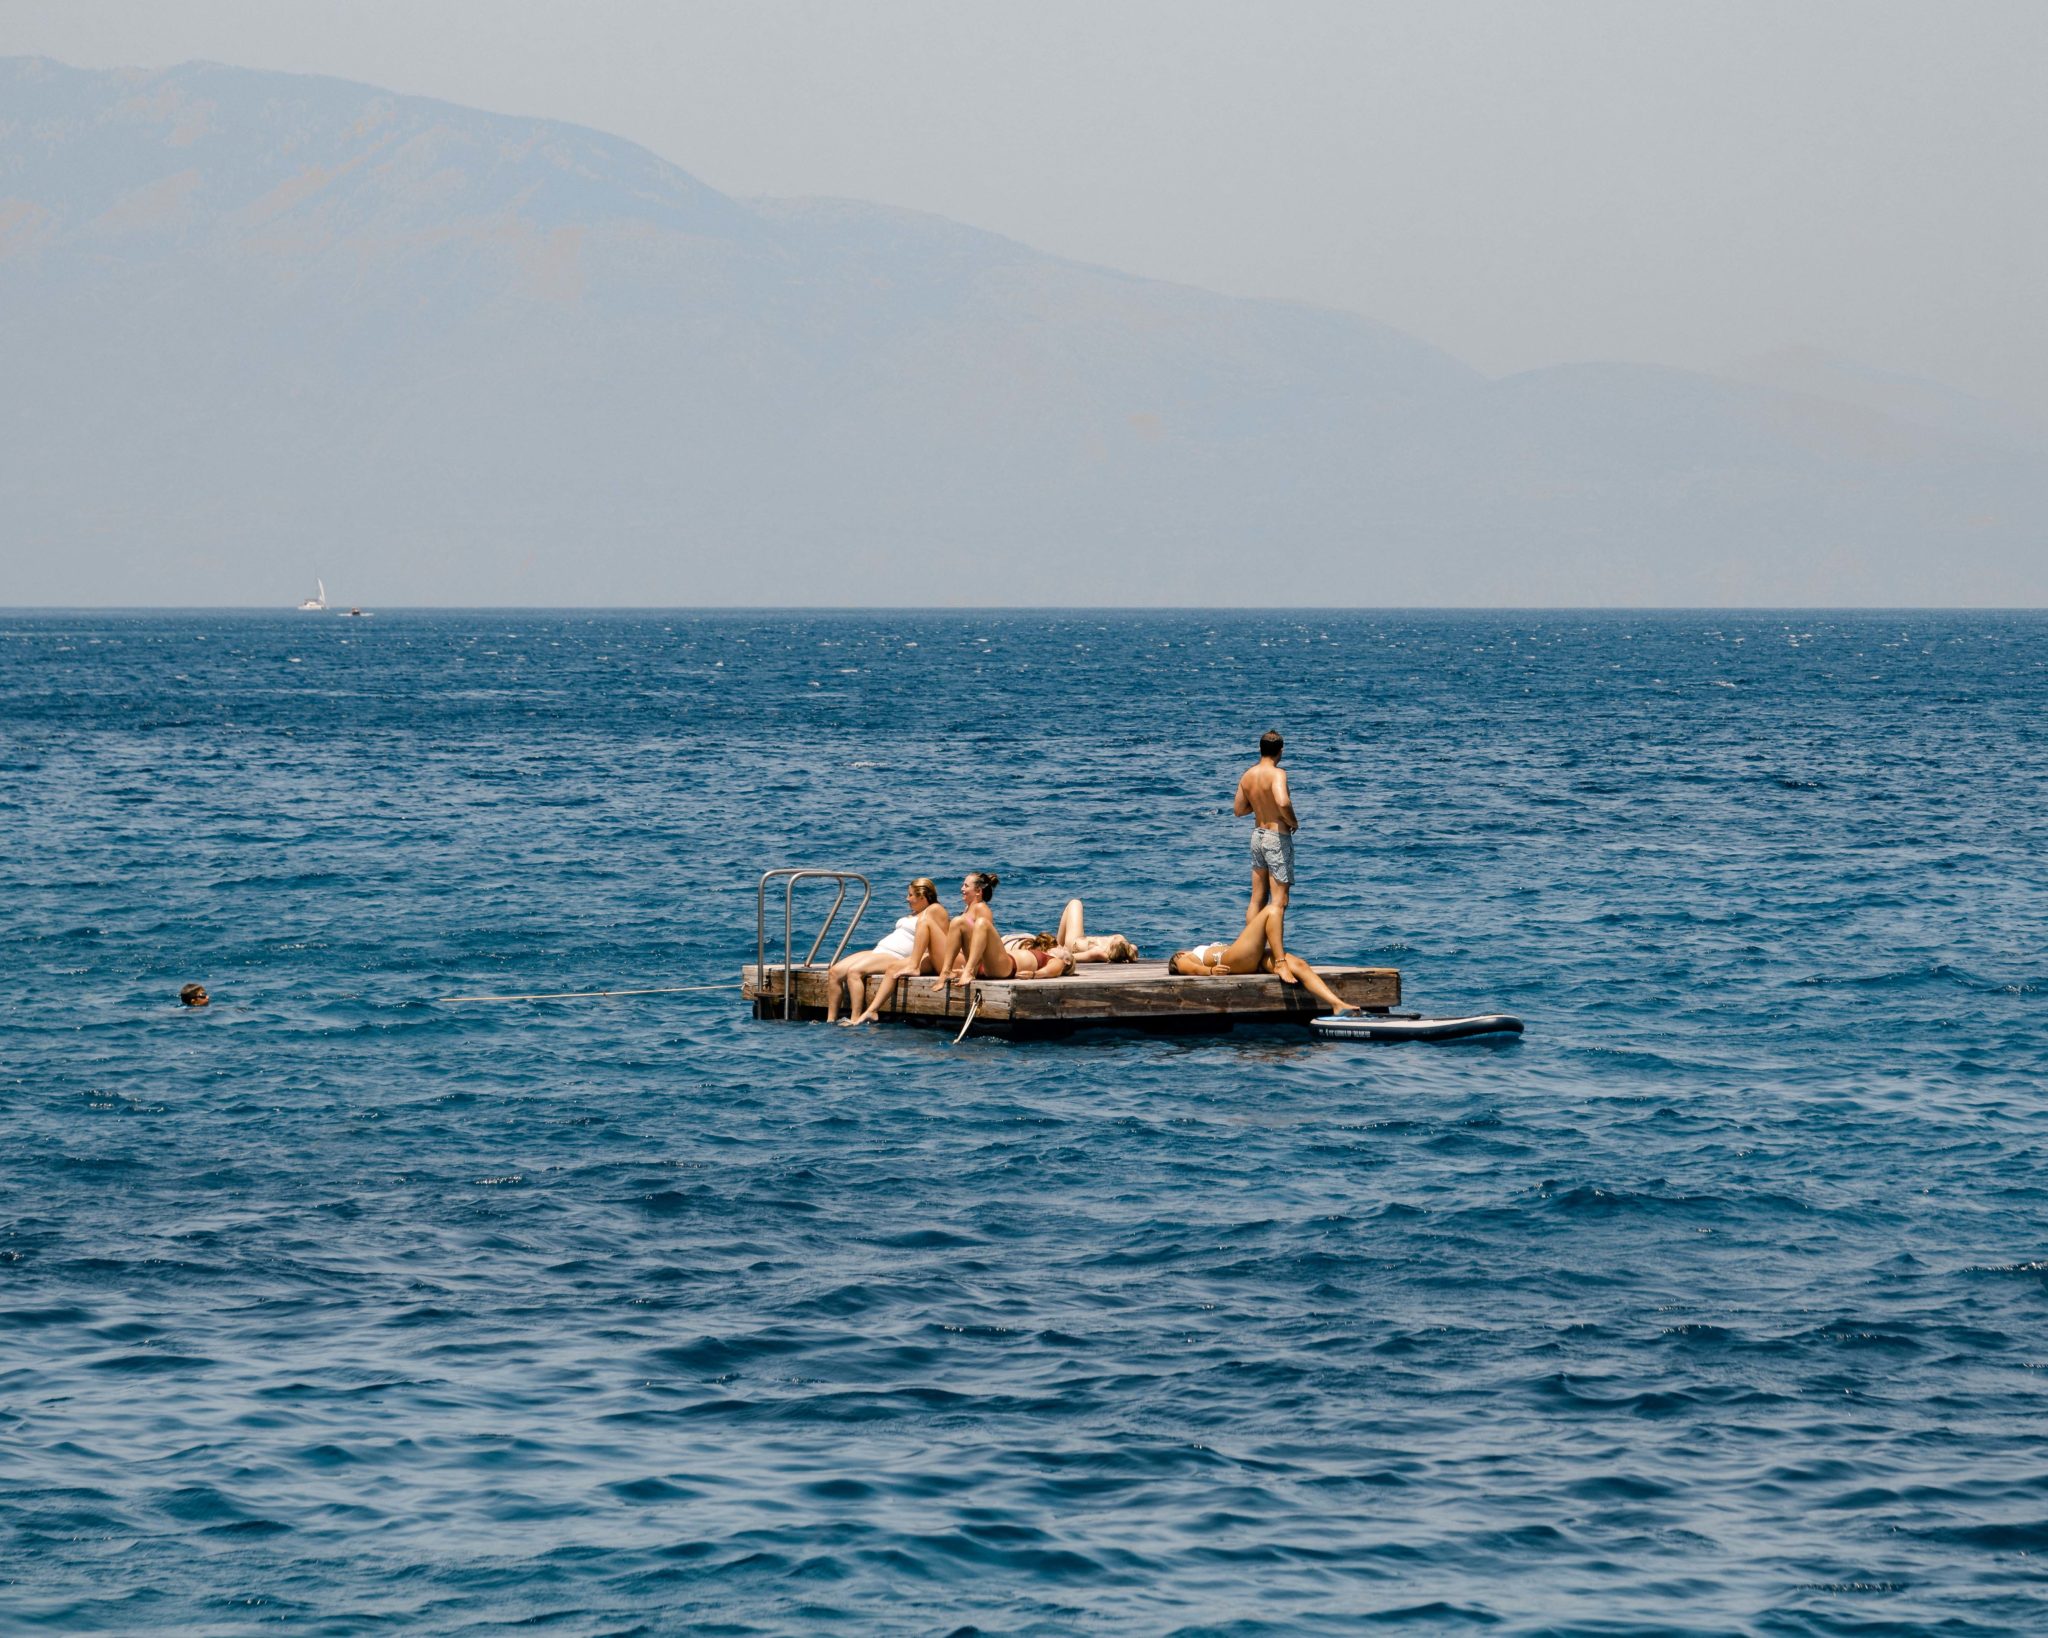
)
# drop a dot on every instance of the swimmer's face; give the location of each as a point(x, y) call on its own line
point(195, 996)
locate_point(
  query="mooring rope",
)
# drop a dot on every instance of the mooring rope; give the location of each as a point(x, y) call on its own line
point(973, 998)
point(586, 995)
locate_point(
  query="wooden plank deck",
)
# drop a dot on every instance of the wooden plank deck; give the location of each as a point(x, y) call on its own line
point(1119, 995)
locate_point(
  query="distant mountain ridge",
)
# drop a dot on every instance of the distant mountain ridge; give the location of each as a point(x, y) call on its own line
point(259, 326)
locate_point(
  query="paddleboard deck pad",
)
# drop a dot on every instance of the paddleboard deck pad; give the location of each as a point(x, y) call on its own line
point(1383, 1027)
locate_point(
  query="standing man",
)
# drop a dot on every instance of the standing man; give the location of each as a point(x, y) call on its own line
point(1262, 792)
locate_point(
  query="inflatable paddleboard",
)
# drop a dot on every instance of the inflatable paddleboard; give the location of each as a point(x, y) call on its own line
point(1354, 1026)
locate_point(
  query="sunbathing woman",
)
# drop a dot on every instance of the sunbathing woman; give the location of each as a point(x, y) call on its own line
point(1081, 944)
point(937, 943)
point(982, 952)
point(923, 898)
point(1258, 949)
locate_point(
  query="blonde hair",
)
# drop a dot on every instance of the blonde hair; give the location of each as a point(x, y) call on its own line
point(925, 888)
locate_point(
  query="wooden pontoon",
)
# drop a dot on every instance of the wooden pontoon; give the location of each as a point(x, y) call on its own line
point(1121, 995)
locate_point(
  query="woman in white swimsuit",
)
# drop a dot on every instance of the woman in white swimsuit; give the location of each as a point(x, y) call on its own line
point(923, 898)
point(1258, 949)
point(968, 944)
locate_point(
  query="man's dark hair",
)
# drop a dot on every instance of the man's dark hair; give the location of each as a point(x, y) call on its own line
point(1270, 742)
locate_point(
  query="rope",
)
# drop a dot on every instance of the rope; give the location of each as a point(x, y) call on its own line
point(973, 1006)
point(585, 995)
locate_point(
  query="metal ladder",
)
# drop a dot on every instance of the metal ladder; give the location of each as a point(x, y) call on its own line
point(790, 875)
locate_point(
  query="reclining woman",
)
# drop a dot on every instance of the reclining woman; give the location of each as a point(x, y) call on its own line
point(923, 898)
point(934, 946)
point(982, 952)
point(1074, 937)
point(1258, 949)
point(967, 945)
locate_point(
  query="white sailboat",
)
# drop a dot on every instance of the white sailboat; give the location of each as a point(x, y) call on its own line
point(318, 600)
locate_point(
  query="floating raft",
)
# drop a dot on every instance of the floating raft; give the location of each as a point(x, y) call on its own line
point(1110, 995)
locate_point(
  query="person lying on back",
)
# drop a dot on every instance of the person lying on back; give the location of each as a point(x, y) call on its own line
point(1073, 936)
point(1258, 949)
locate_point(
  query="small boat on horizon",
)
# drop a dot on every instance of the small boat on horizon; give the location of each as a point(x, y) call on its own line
point(356, 614)
point(318, 600)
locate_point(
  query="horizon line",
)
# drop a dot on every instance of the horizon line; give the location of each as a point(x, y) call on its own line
point(1034, 608)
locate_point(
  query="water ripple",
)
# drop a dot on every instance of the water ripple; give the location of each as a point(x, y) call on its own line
point(1714, 1304)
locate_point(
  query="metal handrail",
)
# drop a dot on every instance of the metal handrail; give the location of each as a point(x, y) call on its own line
point(791, 875)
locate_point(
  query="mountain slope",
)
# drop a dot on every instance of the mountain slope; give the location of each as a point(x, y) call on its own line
point(260, 325)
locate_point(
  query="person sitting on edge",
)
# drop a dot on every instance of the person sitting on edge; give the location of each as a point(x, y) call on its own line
point(979, 951)
point(1259, 948)
point(1262, 792)
point(939, 946)
point(847, 972)
point(1080, 944)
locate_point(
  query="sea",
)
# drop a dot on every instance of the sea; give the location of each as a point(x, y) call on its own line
point(1717, 1302)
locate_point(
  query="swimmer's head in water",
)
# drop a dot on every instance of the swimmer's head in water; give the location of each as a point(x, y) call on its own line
point(194, 995)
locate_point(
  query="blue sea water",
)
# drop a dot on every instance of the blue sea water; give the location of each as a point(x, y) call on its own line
point(1719, 1302)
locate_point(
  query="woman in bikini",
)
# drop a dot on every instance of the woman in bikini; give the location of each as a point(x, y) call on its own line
point(967, 946)
point(1258, 949)
point(847, 973)
point(1081, 944)
point(982, 952)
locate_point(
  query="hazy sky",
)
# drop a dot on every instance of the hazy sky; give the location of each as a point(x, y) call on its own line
point(1521, 183)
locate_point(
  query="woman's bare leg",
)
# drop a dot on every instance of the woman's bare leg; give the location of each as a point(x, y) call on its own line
point(985, 954)
point(1072, 927)
point(885, 986)
point(837, 976)
point(1293, 970)
point(931, 950)
point(1247, 952)
point(948, 943)
point(1276, 924)
point(848, 972)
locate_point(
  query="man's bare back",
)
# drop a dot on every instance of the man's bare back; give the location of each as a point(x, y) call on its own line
point(1262, 793)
